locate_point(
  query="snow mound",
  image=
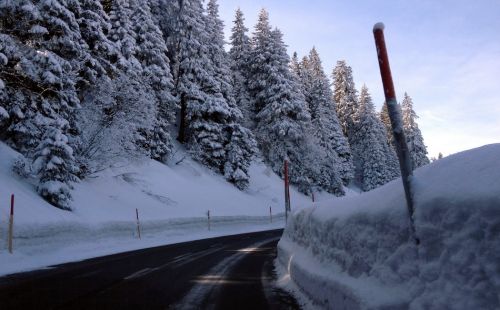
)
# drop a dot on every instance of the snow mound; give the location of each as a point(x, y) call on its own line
point(355, 252)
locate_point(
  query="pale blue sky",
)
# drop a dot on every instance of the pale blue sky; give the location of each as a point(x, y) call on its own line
point(444, 53)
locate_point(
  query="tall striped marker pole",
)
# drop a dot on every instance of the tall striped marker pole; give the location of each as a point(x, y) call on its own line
point(11, 223)
point(396, 123)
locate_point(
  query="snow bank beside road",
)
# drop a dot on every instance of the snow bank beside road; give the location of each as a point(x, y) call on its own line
point(172, 202)
point(354, 253)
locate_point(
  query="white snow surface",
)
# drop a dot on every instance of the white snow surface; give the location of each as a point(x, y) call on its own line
point(172, 200)
point(355, 252)
point(378, 26)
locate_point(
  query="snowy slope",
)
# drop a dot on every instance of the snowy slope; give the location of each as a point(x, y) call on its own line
point(172, 203)
point(354, 252)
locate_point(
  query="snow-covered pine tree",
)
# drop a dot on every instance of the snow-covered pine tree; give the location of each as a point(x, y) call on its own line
point(145, 62)
point(96, 62)
point(157, 8)
point(220, 64)
point(184, 34)
point(209, 116)
point(43, 49)
point(40, 80)
point(295, 65)
point(151, 52)
point(239, 144)
point(240, 148)
point(122, 34)
point(386, 121)
point(281, 113)
point(414, 138)
point(345, 96)
point(96, 71)
point(325, 123)
point(120, 110)
point(54, 165)
point(261, 63)
point(239, 55)
point(375, 161)
point(4, 115)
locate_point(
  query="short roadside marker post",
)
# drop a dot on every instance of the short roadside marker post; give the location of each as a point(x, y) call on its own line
point(138, 224)
point(11, 223)
point(208, 217)
point(312, 196)
point(271, 213)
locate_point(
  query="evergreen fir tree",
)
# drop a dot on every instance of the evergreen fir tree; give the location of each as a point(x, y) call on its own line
point(414, 139)
point(240, 148)
point(38, 73)
point(97, 69)
point(98, 62)
point(295, 65)
point(281, 115)
point(145, 60)
point(151, 52)
point(344, 96)
point(324, 117)
point(386, 121)
point(42, 49)
point(239, 55)
point(186, 36)
point(54, 165)
point(375, 160)
point(122, 34)
point(209, 117)
point(239, 142)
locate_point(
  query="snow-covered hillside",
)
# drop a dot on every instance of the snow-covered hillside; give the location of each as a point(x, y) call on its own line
point(172, 203)
point(355, 252)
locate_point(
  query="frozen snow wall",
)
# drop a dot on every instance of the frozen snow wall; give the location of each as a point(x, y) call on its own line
point(355, 252)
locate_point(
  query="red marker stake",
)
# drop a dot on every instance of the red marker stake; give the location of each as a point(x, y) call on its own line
point(11, 223)
point(396, 122)
point(138, 224)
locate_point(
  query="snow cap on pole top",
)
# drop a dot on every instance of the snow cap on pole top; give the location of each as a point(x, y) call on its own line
point(378, 26)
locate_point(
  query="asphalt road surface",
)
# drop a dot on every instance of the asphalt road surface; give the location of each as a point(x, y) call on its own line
point(232, 272)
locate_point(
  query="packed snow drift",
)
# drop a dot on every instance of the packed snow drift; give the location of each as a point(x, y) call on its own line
point(355, 252)
point(172, 202)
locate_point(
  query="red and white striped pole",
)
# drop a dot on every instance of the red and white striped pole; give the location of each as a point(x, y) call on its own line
point(11, 223)
point(396, 122)
point(138, 224)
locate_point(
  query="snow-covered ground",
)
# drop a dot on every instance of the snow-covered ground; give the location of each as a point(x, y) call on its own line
point(355, 252)
point(172, 201)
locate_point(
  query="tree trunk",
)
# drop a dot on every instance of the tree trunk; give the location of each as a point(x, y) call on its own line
point(182, 124)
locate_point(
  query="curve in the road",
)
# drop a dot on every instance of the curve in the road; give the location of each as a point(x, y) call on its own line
point(232, 272)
